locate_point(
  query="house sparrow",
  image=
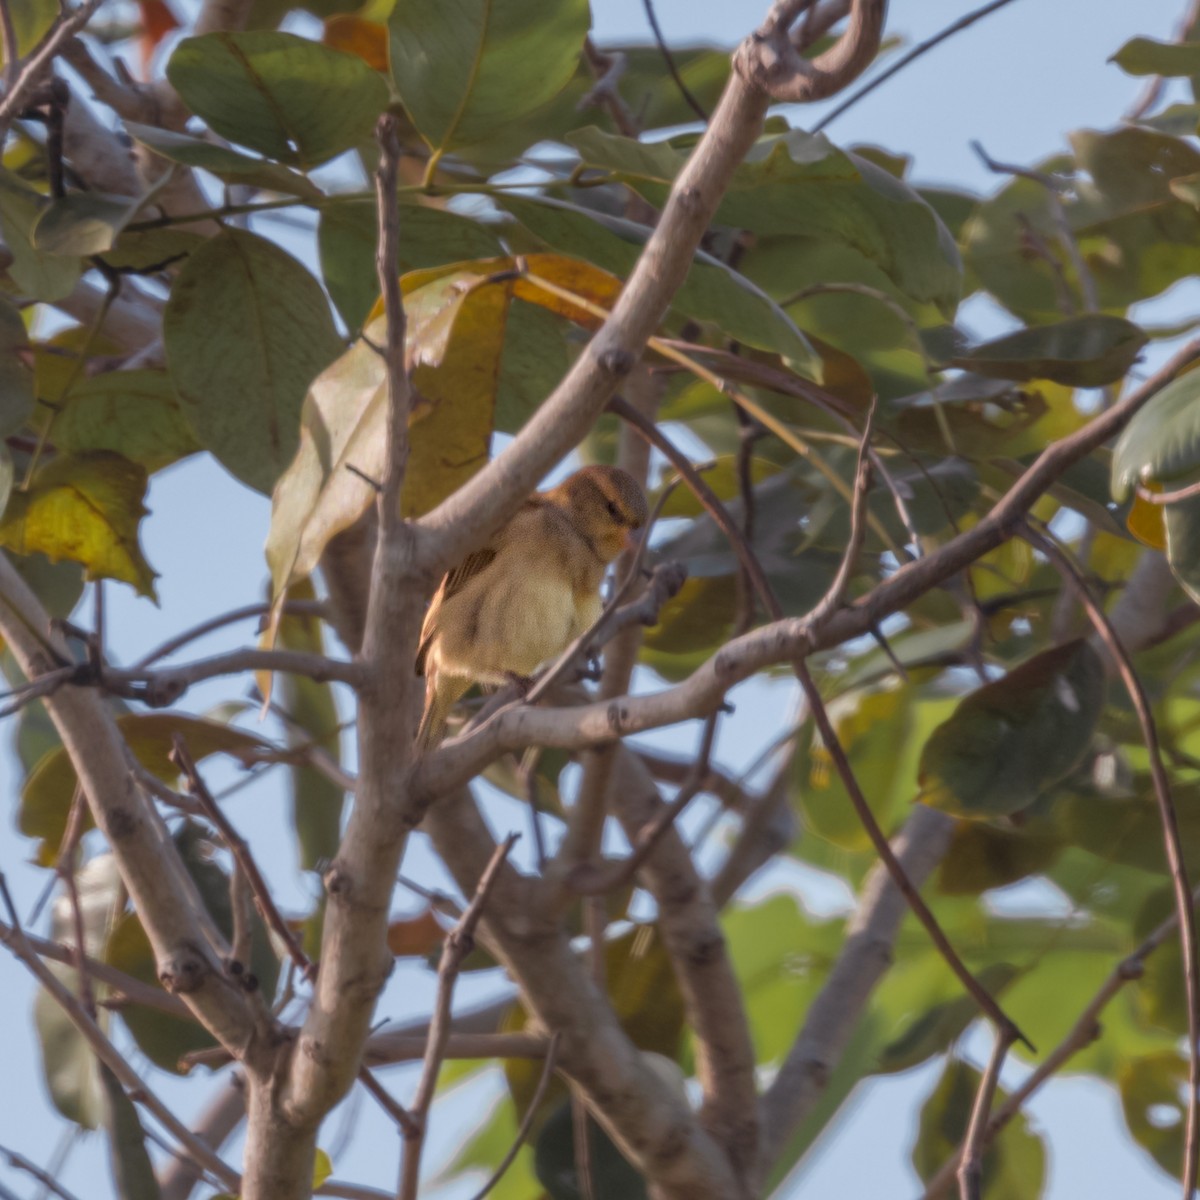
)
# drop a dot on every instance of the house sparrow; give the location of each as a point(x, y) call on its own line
point(525, 596)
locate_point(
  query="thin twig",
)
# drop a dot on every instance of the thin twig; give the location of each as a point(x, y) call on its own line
point(669, 59)
point(108, 1054)
point(1170, 826)
point(526, 1121)
point(608, 67)
point(899, 65)
point(456, 947)
point(291, 608)
point(35, 67)
point(970, 1170)
point(238, 847)
point(20, 1163)
point(1184, 493)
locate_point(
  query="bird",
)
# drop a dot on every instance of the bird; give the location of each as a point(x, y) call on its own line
point(526, 595)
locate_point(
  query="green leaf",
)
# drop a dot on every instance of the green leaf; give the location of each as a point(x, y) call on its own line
point(16, 372)
point(429, 237)
point(1010, 740)
point(1182, 523)
point(82, 223)
point(247, 329)
point(1162, 441)
point(1155, 1113)
point(465, 72)
point(72, 1069)
point(799, 183)
point(293, 100)
point(1014, 1166)
point(46, 796)
point(937, 1027)
point(1088, 351)
point(133, 1172)
point(161, 1036)
point(226, 164)
point(532, 363)
point(982, 857)
point(43, 276)
point(132, 413)
point(32, 20)
point(1144, 56)
point(555, 1161)
point(86, 508)
point(312, 719)
point(712, 292)
point(6, 476)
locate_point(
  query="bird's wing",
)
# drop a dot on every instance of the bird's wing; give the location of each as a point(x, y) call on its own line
point(453, 582)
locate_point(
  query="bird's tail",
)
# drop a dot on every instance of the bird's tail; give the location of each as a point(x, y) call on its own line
point(442, 692)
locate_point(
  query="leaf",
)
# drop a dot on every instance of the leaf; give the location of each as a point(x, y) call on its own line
point(84, 507)
point(799, 183)
point(415, 936)
point(46, 796)
point(322, 1168)
point(161, 1036)
point(16, 374)
point(32, 20)
point(466, 72)
point(71, 1067)
point(1014, 1165)
point(293, 100)
point(43, 276)
point(1088, 351)
point(1182, 523)
point(312, 719)
point(429, 237)
point(934, 1030)
point(133, 413)
point(1144, 56)
point(1010, 740)
point(873, 727)
point(364, 39)
point(712, 291)
point(982, 857)
point(1162, 441)
point(6, 476)
point(1146, 521)
point(82, 223)
point(455, 338)
point(133, 1172)
point(246, 329)
point(226, 164)
point(556, 1162)
point(1155, 1114)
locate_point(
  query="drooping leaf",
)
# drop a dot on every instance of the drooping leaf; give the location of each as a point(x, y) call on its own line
point(311, 719)
point(1087, 351)
point(226, 164)
point(1162, 441)
point(1014, 1165)
point(71, 1067)
point(133, 413)
point(799, 183)
point(246, 329)
point(466, 72)
point(84, 507)
point(1011, 739)
point(133, 1172)
point(289, 98)
point(46, 796)
point(16, 375)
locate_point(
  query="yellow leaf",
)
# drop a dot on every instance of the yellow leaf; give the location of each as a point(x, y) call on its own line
point(85, 507)
point(322, 1168)
point(1145, 520)
point(367, 40)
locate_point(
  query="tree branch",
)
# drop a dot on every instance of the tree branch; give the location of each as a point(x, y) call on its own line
point(970, 1170)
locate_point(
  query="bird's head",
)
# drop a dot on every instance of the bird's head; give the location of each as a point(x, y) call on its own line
point(606, 505)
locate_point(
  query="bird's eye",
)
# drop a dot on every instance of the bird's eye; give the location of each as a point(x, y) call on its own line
point(612, 511)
